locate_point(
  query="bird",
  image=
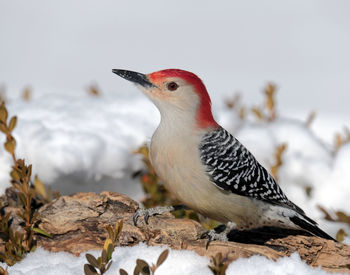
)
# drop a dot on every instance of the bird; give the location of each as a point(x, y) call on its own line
point(206, 167)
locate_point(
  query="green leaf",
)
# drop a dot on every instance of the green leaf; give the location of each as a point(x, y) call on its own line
point(110, 250)
point(42, 232)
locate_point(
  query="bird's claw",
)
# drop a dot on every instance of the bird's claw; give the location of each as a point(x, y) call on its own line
point(147, 213)
point(220, 233)
point(136, 216)
point(212, 235)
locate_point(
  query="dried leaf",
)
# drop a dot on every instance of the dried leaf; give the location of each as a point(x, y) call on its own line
point(22, 198)
point(29, 171)
point(26, 94)
point(162, 257)
point(107, 242)
point(338, 141)
point(278, 162)
point(104, 257)
point(342, 217)
point(217, 264)
point(109, 230)
point(3, 127)
point(94, 90)
point(143, 266)
point(122, 272)
point(310, 119)
point(242, 112)
point(118, 227)
point(89, 270)
point(15, 175)
point(341, 235)
point(35, 217)
point(3, 271)
point(92, 260)
point(109, 265)
point(10, 145)
point(39, 187)
point(327, 216)
point(269, 92)
point(258, 113)
point(12, 123)
point(137, 270)
point(3, 113)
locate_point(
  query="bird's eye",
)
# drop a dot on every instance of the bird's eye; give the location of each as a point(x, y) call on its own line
point(172, 86)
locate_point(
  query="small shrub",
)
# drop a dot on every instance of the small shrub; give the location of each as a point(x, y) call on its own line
point(104, 262)
point(341, 139)
point(218, 266)
point(337, 216)
point(142, 267)
point(278, 162)
point(29, 197)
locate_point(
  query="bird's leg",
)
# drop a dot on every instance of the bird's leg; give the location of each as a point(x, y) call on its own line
point(146, 213)
point(219, 233)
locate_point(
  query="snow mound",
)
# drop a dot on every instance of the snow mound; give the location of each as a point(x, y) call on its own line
point(81, 143)
point(179, 262)
point(258, 265)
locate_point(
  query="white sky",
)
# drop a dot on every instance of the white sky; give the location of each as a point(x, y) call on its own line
point(65, 45)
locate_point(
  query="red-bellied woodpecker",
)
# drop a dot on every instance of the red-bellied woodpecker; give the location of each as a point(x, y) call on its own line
point(204, 166)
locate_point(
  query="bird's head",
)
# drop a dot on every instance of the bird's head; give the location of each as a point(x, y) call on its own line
point(176, 93)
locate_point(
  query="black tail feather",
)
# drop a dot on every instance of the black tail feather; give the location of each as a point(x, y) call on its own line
point(310, 227)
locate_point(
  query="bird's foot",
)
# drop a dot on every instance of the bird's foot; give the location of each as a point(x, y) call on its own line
point(218, 233)
point(146, 213)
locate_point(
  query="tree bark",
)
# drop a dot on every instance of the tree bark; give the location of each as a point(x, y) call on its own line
point(77, 224)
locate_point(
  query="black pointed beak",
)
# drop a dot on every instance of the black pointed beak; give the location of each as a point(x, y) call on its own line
point(135, 77)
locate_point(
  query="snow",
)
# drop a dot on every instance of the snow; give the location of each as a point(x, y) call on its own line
point(81, 143)
point(260, 265)
point(84, 143)
point(179, 262)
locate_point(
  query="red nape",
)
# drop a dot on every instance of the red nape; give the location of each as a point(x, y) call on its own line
point(204, 115)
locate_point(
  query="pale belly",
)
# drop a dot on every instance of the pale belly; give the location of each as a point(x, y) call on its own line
point(190, 184)
point(179, 167)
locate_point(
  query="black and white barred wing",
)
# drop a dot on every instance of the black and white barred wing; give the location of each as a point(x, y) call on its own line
point(233, 168)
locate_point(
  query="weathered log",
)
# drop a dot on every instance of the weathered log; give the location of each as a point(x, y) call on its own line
point(77, 224)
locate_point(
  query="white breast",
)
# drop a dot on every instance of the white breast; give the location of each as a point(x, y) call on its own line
point(175, 157)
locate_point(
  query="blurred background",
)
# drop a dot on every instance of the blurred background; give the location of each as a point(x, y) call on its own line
point(232, 45)
point(79, 123)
